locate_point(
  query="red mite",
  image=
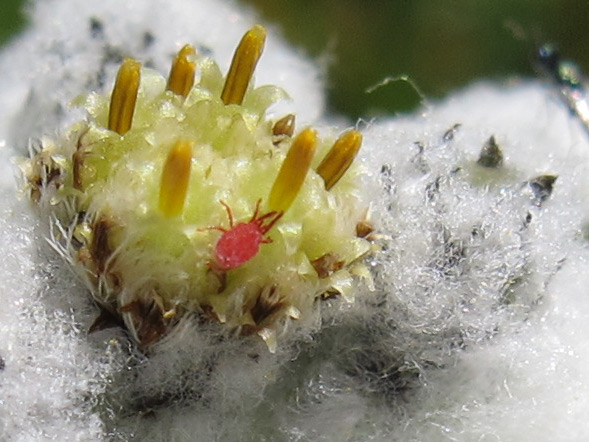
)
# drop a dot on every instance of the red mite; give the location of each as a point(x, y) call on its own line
point(242, 241)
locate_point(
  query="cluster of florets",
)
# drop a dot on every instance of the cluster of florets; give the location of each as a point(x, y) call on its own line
point(181, 197)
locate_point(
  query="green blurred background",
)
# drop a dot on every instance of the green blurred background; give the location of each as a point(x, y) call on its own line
point(11, 18)
point(441, 45)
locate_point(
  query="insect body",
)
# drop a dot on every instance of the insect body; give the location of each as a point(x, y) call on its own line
point(242, 241)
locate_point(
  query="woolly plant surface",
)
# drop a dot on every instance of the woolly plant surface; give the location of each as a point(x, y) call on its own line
point(475, 325)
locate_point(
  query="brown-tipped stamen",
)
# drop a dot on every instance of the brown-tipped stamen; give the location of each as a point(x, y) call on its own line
point(339, 158)
point(124, 96)
point(283, 128)
point(175, 176)
point(293, 171)
point(181, 77)
point(243, 64)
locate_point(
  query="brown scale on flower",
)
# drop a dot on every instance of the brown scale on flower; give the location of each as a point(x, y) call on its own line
point(78, 159)
point(77, 165)
point(268, 304)
point(330, 294)
point(327, 264)
point(269, 307)
point(42, 171)
point(149, 319)
point(93, 247)
point(105, 319)
point(100, 248)
point(365, 226)
point(283, 129)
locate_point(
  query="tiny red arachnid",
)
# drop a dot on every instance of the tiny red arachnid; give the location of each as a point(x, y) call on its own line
point(241, 242)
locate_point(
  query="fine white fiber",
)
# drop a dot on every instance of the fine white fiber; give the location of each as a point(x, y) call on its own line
point(472, 324)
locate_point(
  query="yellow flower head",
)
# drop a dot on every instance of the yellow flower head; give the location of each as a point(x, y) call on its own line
point(180, 196)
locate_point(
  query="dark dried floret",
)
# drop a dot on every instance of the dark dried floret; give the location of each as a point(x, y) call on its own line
point(100, 249)
point(542, 187)
point(283, 128)
point(327, 264)
point(148, 320)
point(148, 39)
point(364, 228)
point(105, 319)
point(268, 303)
point(491, 155)
point(450, 133)
point(96, 28)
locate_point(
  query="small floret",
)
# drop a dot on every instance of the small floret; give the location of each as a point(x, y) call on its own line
point(283, 128)
point(243, 65)
point(339, 158)
point(181, 77)
point(124, 97)
point(491, 155)
point(293, 171)
point(175, 178)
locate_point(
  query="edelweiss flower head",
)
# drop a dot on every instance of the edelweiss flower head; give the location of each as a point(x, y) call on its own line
point(180, 196)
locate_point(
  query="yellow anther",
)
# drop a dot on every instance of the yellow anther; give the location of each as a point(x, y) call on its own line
point(124, 96)
point(175, 178)
point(293, 171)
point(181, 77)
point(339, 158)
point(243, 64)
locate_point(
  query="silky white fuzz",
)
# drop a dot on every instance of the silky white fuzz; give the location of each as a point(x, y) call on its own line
point(473, 325)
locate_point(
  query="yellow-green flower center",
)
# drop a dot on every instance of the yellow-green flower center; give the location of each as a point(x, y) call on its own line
point(146, 180)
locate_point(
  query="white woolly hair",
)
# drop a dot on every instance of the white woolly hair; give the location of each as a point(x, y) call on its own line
point(473, 327)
